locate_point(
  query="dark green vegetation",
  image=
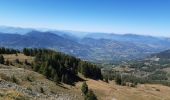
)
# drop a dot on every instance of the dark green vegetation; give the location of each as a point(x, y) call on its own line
point(60, 67)
point(84, 88)
point(56, 66)
point(154, 69)
point(88, 94)
point(122, 78)
point(8, 51)
point(1, 59)
point(32, 52)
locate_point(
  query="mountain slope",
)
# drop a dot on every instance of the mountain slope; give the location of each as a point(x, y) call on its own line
point(163, 55)
point(153, 69)
point(36, 39)
point(93, 47)
point(14, 30)
point(152, 42)
point(34, 86)
point(114, 50)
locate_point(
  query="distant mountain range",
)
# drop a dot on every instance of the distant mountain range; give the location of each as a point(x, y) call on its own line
point(98, 47)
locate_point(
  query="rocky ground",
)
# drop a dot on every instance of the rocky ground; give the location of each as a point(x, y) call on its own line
point(21, 84)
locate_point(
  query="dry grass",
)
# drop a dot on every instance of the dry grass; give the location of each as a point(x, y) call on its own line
point(21, 57)
point(104, 91)
point(111, 91)
point(32, 80)
point(35, 81)
point(166, 70)
point(6, 94)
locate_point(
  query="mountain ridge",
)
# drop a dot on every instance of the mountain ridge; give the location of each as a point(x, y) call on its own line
point(93, 47)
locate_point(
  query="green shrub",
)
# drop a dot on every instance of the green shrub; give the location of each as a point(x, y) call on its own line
point(90, 96)
point(14, 79)
point(84, 88)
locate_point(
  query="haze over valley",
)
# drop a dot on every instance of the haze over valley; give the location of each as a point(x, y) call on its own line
point(84, 50)
point(95, 47)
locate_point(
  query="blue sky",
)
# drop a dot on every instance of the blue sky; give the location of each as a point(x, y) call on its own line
point(148, 17)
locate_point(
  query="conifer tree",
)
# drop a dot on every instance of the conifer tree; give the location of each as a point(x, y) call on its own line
point(118, 79)
point(90, 96)
point(7, 62)
point(56, 78)
point(84, 88)
point(1, 59)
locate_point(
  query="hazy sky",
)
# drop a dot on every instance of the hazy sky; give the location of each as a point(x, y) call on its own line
point(151, 17)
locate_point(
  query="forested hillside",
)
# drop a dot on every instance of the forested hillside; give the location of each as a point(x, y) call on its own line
point(58, 71)
point(154, 69)
point(57, 66)
point(60, 67)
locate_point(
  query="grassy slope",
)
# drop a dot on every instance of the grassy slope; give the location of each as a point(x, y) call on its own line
point(104, 91)
point(111, 91)
point(37, 80)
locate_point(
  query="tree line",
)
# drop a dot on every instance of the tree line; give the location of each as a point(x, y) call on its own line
point(34, 51)
point(2, 59)
point(157, 77)
point(8, 51)
point(89, 70)
point(4, 50)
point(60, 67)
